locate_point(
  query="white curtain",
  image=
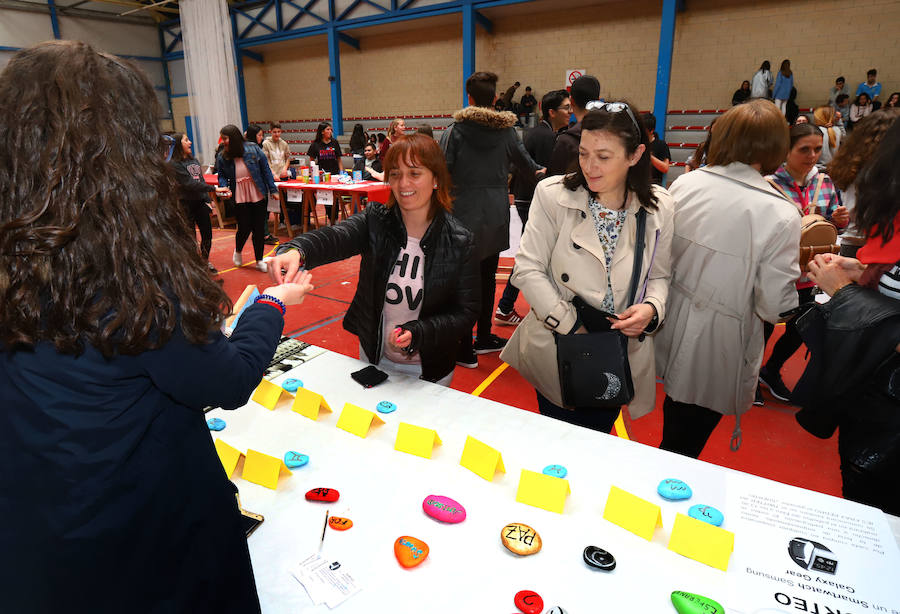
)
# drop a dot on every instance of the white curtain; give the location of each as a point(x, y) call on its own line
point(210, 70)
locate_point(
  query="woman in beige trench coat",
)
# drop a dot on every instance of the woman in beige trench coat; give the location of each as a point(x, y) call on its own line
point(734, 263)
point(579, 241)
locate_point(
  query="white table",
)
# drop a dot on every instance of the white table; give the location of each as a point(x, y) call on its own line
point(468, 569)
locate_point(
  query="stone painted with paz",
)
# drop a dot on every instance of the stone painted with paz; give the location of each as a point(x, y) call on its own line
point(707, 513)
point(529, 602)
point(520, 539)
point(323, 494)
point(410, 551)
point(215, 424)
point(339, 524)
point(386, 407)
point(674, 490)
point(444, 509)
point(295, 459)
point(292, 384)
point(557, 471)
point(689, 603)
point(598, 558)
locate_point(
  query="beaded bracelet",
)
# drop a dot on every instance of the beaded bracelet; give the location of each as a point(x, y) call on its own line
point(268, 299)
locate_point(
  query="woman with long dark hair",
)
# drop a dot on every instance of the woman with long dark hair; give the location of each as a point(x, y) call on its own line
point(112, 489)
point(576, 262)
point(784, 83)
point(860, 108)
point(243, 169)
point(417, 292)
point(325, 150)
point(762, 81)
point(358, 139)
point(193, 191)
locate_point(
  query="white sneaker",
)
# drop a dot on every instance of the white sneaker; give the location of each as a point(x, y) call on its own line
point(236, 259)
point(262, 266)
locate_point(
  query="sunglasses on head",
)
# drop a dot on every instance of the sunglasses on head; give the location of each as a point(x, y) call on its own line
point(614, 107)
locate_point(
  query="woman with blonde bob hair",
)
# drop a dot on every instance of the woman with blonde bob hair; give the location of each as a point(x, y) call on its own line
point(734, 263)
point(417, 292)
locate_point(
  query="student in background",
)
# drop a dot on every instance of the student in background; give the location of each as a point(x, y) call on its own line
point(243, 169)
point(893, 101)
point(784, 83)
point(193, 191)
point(112, 489)
point(741, 95)
point(762, 81)
point(396, 130)
point(278, 153)
point(842, 106)
point(373, 167)
point(860, 108)
point(358, 139)
point(828, 121)
point(565, 153)
point(871, 87)
point(836, 91)
point(660, 157)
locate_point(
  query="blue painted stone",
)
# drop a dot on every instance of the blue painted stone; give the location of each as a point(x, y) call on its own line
point(707, 513)
point(557, 471)
point(295, 459)
point(386, 407)
point(291, 384)
point(215, 424)
point(674, 490)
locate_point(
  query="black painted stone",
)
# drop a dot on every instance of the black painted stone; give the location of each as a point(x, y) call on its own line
point(598, 558)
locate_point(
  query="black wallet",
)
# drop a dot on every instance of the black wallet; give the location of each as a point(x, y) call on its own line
point(369, 377)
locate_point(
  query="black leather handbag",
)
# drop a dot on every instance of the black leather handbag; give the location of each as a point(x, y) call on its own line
point(593, 367)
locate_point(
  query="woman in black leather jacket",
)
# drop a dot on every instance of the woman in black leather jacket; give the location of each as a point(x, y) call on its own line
point(417, 292)
point(852, 382)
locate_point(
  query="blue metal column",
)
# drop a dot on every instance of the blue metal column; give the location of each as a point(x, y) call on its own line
point(334, 76)
point(239, 66)
point(468, 68)
point(54, 22)
point(664, 63)
point(165, 67)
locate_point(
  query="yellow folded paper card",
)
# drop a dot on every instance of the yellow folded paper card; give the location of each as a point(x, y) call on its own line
point(268, 394)
point(228, 455)
point(632, 513)
point(354, 419)
point(263, 469)
point(481, 459)
point(543, 491)
point(416, 440)
point(308, 403)
point(701, 541)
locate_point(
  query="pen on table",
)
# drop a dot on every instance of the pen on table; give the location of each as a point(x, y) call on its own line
point(324, 526)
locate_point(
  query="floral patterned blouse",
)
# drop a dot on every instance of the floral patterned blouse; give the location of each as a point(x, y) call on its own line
point(608, 223)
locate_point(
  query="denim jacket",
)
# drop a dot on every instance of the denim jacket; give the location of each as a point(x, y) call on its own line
point(257, 166)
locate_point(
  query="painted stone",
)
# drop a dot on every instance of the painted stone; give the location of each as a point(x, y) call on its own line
point(386, 407)
point(689, 603)
point(215, 424)
point(707, 513)
point(598, 558)
point(295, 459)
point(556, 610)
point(529, 602)
point(410, 551)
point(557, 471)
point(339, 524)
point(674, 490)
point(520, 539)
point(444, 509)
point(292, 384)
point(323, 494)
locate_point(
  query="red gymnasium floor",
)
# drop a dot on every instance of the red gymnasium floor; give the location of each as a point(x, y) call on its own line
point(774, 446)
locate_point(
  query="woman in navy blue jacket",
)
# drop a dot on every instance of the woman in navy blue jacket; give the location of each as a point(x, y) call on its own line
point(243, 169)
point(111, 492)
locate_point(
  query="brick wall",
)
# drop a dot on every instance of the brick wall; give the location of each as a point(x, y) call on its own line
point(719, 43)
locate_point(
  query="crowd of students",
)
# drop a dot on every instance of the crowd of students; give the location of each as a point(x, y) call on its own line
point(114, 344)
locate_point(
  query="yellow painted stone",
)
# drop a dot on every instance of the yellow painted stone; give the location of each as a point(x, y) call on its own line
point(520, 539)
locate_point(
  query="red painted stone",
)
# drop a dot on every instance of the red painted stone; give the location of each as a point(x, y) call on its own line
point(410, 551)
point(529, 602)
point(339, 524)
point(323, 494)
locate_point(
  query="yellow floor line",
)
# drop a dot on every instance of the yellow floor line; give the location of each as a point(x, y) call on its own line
point(490, 380)
point(620, 428)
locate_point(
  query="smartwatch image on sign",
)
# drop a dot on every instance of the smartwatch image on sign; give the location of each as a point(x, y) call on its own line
point(812, 555)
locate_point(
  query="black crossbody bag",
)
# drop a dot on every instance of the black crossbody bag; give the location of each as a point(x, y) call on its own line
point(593, 367)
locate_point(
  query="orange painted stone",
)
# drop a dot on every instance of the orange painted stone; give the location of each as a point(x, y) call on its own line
point(410, 551)
point(339, 524)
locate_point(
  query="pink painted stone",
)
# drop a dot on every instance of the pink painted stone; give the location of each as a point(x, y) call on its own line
point(444, 509)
